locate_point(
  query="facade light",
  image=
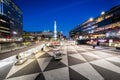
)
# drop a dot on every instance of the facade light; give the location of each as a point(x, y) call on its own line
point(91, 19)
point(14, 32)
point(102, 13)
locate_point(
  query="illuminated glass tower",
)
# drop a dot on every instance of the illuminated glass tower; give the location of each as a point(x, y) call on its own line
point(10, 19)
point(55, 30)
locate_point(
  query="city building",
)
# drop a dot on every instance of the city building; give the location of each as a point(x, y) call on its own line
point(41, 35)
point(4, 27)
point(104, 28)
point(74, 33)
point(11, 22)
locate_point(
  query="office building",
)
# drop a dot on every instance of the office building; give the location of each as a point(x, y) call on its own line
point(11, 23)
point(104, 28)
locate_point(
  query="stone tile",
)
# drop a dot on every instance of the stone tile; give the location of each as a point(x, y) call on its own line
point(78, 56)
point(71, 52)
point(107, 65)
point(45, 55)
point(115, 63)
point(4, 70)
point(89, 58)
point(43, 62)
point(107, 74)
point(16, 68)
point(54, 65)
point(31, 68)
point(87, 71)
point(24, 77)
point(64, 59)
point(74, 61)
point(102, 54)
point(75, 75)
point(57, 74)
point(114, 59)
point(40, 77)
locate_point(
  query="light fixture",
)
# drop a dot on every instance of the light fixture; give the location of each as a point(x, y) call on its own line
point(91, 19)
point(102, 13)
point(14, 32)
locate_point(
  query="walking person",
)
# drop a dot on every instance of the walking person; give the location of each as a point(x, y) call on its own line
point(94, 44)
point(98, 43)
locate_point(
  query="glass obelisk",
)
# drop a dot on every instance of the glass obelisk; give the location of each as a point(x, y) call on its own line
point(55, 31)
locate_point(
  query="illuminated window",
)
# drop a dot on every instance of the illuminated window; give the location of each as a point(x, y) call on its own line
point(99, 19)
point(4, 28)
point(108, 16)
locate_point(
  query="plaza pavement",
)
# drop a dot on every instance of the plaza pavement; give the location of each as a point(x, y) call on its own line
point(78, 63)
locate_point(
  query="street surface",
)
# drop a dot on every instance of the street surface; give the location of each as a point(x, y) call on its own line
point(78, 63)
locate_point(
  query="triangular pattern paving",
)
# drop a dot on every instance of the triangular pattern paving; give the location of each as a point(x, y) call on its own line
point(31, 68)
point(45, 55)
point(71, 52)
point(43, 62)
point(87, 71)
point(107, 74)
point(57, 74)
point(74, 61)
point(4, 70)
point(78, 56)
point(24, 77)
point(40, 77)
point(115, 63)
point(113, 53)
point(16, 68)
point(89, 58)
point(114, 59)
point(80, 51)
point(87, 65)
point(54, 65)
point(107, 65)
point(75, 75)
point(102, 54)
point(64, 59)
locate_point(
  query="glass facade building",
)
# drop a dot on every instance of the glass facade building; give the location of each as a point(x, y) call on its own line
point(104, 28)
point(11, 22)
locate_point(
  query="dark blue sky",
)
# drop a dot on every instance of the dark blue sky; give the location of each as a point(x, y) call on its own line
point(39, 15)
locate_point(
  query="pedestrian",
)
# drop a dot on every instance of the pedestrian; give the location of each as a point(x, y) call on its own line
point(42, 49)
point(98, 43)
point(94, 44)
